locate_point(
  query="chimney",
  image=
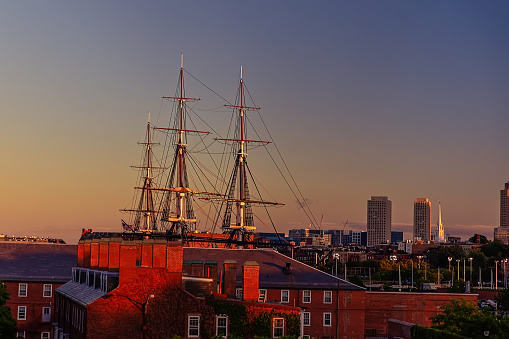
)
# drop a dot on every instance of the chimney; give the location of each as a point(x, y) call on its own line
point(103, 253)
point(147, 248)
point(94, 254)
point(86, 253)
point(230, 277)
point(250, 280)
point(114, 254)
point(210, 271)
point(81, 249)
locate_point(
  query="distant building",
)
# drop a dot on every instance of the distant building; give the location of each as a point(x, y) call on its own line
point(31, 271)
point(504, 206)
point(501, 234)
point(422, 222)
point(364, 239)
point(440, 235)
point(379, 221)
point(357, 238)
point(405, 246)
point(396, 237)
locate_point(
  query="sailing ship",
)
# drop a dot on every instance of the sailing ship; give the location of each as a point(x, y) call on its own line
point(166, 206)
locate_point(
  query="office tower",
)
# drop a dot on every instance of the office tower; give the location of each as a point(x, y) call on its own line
point(440, 233)
point(422, 223)
point(504, 206)
point(501, 233)
point(379, 221)
point(396, 236)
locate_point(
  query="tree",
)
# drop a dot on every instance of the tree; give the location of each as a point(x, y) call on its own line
point(502, 299)
point(494, 249)
point(7, 323)
point(464, 318)
point(482, 239)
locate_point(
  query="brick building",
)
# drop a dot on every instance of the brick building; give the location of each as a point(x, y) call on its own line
point(133, 289)
point(31, 271)
point(331, 307)
point(415, 308)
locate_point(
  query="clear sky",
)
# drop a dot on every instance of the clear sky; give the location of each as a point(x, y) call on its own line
point(396, 98)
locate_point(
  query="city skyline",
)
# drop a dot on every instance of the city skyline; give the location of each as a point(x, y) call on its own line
point(363, 99)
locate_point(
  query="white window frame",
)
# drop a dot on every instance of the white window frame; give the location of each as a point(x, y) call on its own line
point(192, 328)
point(23, 290)
point(285, 296)
point(262, 295)
point(225, 318)
point(238, 293)
point(327, 322)
point(46, 308)
point(306, 336)
point(44, 290)
point(22, 310)
point(45, 335)
point(276, 321)
point(306, 295)
point(20, 334)
point(306, 321)
point(327, 297)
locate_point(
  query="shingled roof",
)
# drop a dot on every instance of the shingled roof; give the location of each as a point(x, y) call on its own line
point(21, 261)
point(273, 268)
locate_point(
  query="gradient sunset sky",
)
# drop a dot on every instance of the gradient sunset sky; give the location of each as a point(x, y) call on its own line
point(397, 98)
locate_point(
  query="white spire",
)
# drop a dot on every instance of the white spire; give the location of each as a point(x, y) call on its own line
point(440, 234)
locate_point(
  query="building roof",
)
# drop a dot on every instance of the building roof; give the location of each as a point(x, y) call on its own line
point(22, 261)
point(273, 268)
point(80, 293)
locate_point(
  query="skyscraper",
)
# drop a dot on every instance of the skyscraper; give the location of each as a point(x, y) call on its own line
point(422, 222)
point(502, 233)
point(504, 206)
point(379, 221)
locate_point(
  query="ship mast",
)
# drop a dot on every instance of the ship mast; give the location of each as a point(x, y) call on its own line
point(177, 210)
point(144, 219)
point(244, 226)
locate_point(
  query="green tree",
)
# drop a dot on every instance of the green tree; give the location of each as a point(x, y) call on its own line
point(7, 323)
point(482, 239)
point(494, 249)
point(464, 318)
point(502, 299)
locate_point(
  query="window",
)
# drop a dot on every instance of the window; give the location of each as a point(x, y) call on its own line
point(327, 319)
point(44, 335)
point(305, 337)
point(306, 318)
point(22, 313)
point(22, 290)
point(193, 327)
point(47, 291)
point(222, 326)
point(238, 293)
point(262, 295)
point(278, 327)
point(46, 314)
point(285, 296)
point(306, 297)
point(327, 297)
point(20, 334)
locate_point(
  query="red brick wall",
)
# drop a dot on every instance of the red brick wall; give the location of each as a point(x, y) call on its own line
point(414, 308)
point(103, 255)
